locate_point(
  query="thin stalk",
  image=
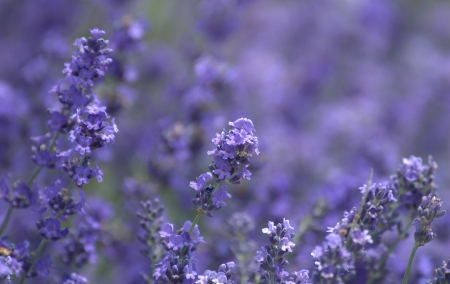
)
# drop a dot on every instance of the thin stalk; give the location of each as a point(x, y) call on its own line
point(34, 176)
point(72, 182)
point(54, 140)
point(199, 215)
point(36, 253)
point(6, 220)
point(410, 261)
point(195, 222)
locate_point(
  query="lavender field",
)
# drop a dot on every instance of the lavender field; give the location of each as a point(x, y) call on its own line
point(224, 141)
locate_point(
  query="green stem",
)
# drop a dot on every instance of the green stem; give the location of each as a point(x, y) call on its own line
point(36, 253)
point(195, 222)
point(410, 261)
point(34, 176)
point(6, 220)
point(54, 141)
point(72, 182)
point(199, 215)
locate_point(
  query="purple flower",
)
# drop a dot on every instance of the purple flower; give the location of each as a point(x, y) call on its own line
point(243, 123)
point(270, 229)
point(361, 238)
point(97, 33)
point(83, 145)
point(82, 174)
point(51, 229)
point(43, 158)
point(97, 173)
point(228, 151)
point(175, 242)
point(301, 275)
point(280, 239)
point(286, 244)
point(166, 230)
point(201, 181)
point(220, 195)
point(189, 272)
point(233, 151)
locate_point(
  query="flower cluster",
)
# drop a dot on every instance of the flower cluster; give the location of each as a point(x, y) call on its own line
point(271, 258)
point(316, 77)
point(429, 210)
point(208, 198)
point(230, 164)
point(81, 116)
point(333, 263)
point(414, 180)
point(224, 274)
point(356, 236)
point(178, 264)
point(84, 121)
point(233, 152)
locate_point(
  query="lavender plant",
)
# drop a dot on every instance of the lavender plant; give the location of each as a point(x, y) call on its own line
point(271, 258)
point(326, 82)
point(230, 163)
point(84, 120)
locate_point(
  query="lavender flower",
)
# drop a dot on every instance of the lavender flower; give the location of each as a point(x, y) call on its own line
point(87, 126)
point(233, 152)
point(333, 263)
point(413, 181)
point(225, 275)
point(51, 229)
point(178, 264)
point(230, 164)
point(429, 210)
point(271, 257)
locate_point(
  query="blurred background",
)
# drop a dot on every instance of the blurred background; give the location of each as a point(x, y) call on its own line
point(334, 89)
